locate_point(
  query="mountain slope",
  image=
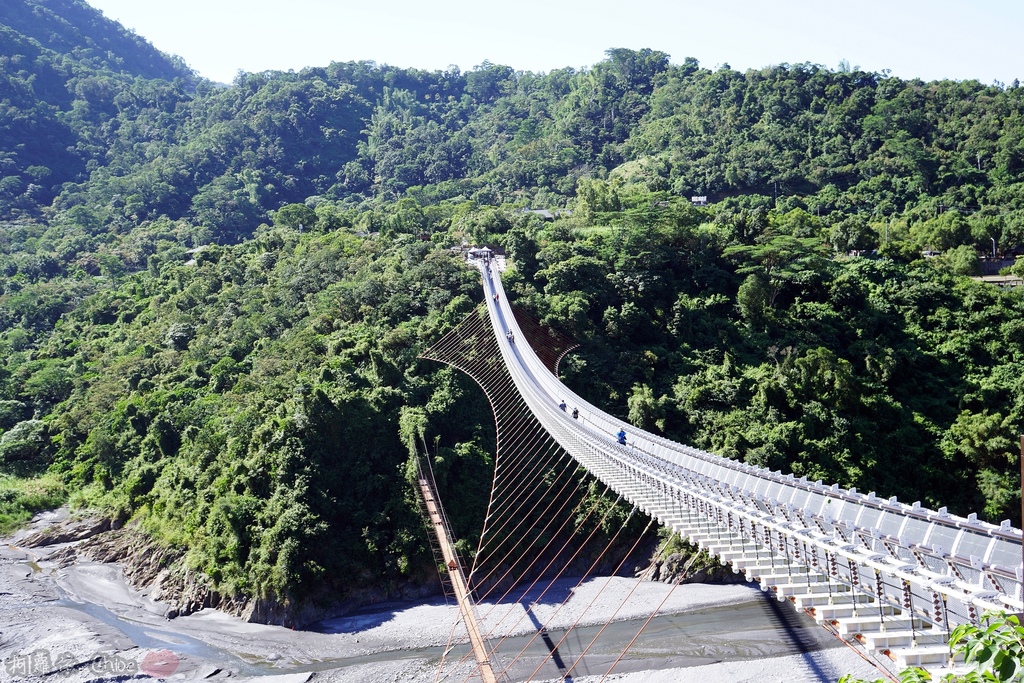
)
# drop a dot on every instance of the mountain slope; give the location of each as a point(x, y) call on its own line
point(212, 301)
point(73, 28)
point(66, 72)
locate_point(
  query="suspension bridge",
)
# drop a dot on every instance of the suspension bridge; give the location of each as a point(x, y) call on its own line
point(889, 577)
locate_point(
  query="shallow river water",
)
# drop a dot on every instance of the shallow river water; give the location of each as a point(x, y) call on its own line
point(757, 629)
point(85, 615)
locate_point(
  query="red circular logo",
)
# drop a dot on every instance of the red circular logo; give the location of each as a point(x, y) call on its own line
point(159, 663)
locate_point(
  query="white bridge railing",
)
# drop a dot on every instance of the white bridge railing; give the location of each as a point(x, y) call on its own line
point(891, 574)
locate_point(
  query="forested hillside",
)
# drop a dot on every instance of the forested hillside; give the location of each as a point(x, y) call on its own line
point(213, 299)
point(66, 73)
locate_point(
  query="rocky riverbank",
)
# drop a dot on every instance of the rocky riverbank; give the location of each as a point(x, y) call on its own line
point(162, 573)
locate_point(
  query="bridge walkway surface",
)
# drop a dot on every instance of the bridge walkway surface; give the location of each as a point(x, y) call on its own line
point(894, 577)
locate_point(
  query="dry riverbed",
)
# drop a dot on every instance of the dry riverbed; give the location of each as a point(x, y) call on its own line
point(83, 623)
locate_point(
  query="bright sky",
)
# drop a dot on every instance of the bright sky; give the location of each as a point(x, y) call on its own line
point(928, 39)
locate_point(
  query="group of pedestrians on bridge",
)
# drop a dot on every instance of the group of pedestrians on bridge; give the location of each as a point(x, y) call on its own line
point(620, 437)
point(511, 337)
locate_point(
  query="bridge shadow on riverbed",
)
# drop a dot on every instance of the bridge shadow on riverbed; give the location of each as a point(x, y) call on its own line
point(795, 629)
point(369, 617)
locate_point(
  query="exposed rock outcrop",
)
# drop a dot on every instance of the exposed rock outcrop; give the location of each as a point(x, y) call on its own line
point(69, 530)
point(162, 571)
point(691, 568)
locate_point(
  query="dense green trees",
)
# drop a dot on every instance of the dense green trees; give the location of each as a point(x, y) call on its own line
point(940, 160)
point(851, 369)
point(244, 403)
point(213, 299)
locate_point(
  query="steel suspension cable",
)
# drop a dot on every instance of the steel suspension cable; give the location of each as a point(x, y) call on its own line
point(501, 467)
point(642, 627)
point(565, 544)
point(529, 472)
point(558, 575)
point(611, 619)
point(570, 478)
point(558, 533)
point(619, 567)
point(608, 580)
point(499, 582)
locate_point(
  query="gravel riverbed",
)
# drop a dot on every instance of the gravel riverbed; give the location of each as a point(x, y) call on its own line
point(83, 623)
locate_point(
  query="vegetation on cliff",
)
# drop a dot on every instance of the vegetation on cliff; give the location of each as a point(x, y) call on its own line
point(213, 299)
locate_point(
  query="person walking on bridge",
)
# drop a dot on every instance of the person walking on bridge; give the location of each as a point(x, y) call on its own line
point(562, 406)
point(622, 436)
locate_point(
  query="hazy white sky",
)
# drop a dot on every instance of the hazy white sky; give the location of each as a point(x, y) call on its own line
point(929, 39)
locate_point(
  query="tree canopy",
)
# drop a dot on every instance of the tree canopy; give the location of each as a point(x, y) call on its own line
point(214, 298)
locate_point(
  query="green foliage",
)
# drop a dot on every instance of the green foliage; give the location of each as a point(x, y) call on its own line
point(961, 260)
point(245, 404)
point(767, 351)
point(20, 498)
point(943, 156)
point(752, 299)
point(295, 216)
point(174, 349)
point(780, 259)
point(996, 648)
point(11, 413)
point(852, 234)
point(994, 651)
point(24, 447)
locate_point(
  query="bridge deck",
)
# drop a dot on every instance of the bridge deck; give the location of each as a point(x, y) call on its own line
point(931, 566)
